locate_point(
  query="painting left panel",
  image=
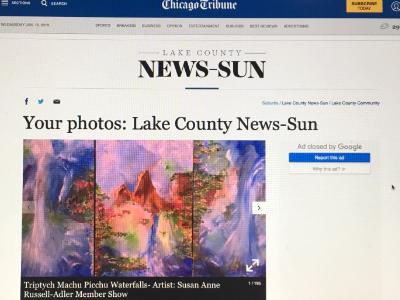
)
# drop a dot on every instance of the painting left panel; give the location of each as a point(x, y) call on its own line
point(58, 208)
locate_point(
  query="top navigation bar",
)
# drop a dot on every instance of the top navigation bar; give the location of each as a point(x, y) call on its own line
point(171, 26)
point(203, 8)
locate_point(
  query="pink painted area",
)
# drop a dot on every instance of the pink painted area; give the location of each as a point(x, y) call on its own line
point(120, 162)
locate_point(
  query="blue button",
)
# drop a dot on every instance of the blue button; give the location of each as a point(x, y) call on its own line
point(329, 157)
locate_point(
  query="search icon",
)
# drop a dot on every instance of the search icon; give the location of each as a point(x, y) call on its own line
point(43, 2)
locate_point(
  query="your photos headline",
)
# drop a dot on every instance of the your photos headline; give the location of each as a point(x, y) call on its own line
point(180, 123)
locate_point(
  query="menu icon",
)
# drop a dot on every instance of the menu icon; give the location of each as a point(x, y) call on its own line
point(4, 2)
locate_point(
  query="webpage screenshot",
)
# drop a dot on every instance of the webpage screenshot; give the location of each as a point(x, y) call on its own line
point(200, 149)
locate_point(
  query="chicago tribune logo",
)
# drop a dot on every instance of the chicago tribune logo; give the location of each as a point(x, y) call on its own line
point(198, 5)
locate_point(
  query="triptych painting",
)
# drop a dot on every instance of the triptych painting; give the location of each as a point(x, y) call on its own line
point(143, 208)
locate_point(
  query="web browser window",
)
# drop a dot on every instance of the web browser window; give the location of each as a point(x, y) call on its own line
point(186, 149)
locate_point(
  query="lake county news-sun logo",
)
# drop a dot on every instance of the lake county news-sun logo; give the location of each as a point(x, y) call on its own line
point(198, 5)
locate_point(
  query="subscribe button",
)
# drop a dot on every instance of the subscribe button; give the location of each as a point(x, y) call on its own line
point(354, 6)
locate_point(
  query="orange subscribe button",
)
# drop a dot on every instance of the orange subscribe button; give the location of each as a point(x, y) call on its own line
point(357, 6)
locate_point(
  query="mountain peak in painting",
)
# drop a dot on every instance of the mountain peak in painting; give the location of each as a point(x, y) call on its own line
point(145, 194)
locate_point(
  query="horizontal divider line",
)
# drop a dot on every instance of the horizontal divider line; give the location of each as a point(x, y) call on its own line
point(201, 88)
